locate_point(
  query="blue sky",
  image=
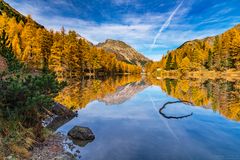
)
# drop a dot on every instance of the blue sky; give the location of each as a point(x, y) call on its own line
point(151, 26)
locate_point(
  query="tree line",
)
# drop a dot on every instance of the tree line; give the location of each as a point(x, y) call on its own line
point(217, 53)
point(66, 53)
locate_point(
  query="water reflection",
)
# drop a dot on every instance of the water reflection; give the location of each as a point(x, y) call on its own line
point(124, 92)
point(123, 113)
point(219, 95)
point(111, 90)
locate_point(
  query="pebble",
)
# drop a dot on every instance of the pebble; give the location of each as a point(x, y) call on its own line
point(51, 149)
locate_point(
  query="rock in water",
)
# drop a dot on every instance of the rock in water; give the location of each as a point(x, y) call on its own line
point(81, 133)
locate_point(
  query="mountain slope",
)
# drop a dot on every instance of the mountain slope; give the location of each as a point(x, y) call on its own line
point(11, 12)
point(123, 52)
point(219, 53)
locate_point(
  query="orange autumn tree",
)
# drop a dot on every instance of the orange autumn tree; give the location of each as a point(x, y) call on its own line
point(217, 53)
point(66, 53)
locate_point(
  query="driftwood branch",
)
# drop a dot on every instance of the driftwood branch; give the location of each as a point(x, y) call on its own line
point(48, 112)
point(174, 117)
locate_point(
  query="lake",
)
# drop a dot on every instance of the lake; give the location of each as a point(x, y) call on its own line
point(146, 118)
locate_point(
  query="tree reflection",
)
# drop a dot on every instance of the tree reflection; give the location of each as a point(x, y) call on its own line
point(220, 95)
point(79, 94)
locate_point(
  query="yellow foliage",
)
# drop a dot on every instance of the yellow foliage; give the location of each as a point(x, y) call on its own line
point(209, 93)
point(185, 64)
point(64, 53)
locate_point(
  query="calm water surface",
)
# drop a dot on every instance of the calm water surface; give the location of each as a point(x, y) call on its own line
point(124, 116)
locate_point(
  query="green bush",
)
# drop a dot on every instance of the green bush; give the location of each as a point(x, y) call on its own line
point(24, 100)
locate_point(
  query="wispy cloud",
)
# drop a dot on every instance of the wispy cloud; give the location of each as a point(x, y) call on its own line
point(136, 28)
point(166, 24)
point(122, 2)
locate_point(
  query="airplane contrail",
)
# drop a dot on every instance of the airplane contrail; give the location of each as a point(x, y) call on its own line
point(168, 126)
point(166, 24)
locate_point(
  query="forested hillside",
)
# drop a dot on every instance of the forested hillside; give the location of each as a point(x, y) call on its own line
point(11, 12)
point(218, 53)
point(66, 53)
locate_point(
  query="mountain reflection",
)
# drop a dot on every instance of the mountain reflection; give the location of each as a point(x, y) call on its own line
point(219, 95)
point(125, 92)
point(112, 90)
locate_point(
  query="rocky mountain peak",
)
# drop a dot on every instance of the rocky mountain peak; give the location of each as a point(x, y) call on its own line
point(124, 52)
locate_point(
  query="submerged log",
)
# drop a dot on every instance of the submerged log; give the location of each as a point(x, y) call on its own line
point(174, 117)
point(62, 116)
point(61, 110)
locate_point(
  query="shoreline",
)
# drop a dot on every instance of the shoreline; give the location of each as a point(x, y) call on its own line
point(229, 75)
point(53, 145)
point(51, 148)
